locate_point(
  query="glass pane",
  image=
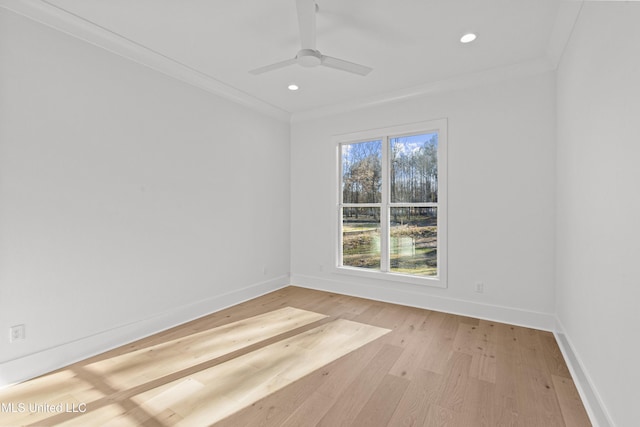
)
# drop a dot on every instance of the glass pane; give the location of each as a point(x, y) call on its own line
point(361, 237)
point(413, 247)
point(362, 172)
point(414, 168)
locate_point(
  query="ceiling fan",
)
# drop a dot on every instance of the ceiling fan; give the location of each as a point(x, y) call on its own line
point(308, 56)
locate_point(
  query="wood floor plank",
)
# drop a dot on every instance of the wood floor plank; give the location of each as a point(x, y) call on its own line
point(483, 364)
point(552, 355)
point(416, 350)
point(430, 368)
point(382, 403)
point(310, 412)
point(275, 408)
point(432, 320)
point(339, 374)
point(355, 396)
point(370, 313)
point(465, 339)
point(291, 404)
point(573, 411)
point(440, 349)
point(413, 339)
point(437, 416)
point(408, 330)
point(507, 364)
point(391, 315)
point(456, 380)
point(480, 404)
point(478, 340)
point(423, 390)
point(538, 400)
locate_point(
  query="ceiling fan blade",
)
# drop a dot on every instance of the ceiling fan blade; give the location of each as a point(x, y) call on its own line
point(275, 66)
point(341, 64)
point(307, 23)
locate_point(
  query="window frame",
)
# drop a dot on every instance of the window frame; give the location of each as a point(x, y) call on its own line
point(438, 126)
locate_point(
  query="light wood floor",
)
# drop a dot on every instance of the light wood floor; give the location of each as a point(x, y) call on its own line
point(298, 357)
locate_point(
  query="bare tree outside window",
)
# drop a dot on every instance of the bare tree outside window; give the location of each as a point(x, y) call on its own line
point(401, 219)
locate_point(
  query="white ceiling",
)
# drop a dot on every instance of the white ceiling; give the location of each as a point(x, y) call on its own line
point(409, 43)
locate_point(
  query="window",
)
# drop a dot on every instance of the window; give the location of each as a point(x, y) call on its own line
point(392, 203)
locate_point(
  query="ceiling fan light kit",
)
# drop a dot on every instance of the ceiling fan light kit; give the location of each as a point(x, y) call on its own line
point(309, 56)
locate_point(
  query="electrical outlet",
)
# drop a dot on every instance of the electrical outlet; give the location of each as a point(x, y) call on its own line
point(16, 333)
point(480, 287)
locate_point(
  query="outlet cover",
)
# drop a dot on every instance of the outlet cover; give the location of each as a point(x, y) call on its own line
point(16, 333)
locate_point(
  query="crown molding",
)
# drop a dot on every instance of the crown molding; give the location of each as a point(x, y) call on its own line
point(481, 78)
point(55, 17)
point(52, 16)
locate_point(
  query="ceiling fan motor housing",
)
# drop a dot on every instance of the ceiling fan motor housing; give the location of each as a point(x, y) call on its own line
point(309, 58)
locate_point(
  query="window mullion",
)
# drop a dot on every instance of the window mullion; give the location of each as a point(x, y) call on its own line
point(360, 205)
point(384, 209)
point(414, 205)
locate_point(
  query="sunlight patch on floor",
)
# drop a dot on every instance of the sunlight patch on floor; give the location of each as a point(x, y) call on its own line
point(225, 389)
point(144, 365)
point(92, 383)
point(108, 416)
point(22, 403)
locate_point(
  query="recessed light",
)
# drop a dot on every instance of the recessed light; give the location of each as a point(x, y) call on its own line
point(293, 87)
point(468, 38)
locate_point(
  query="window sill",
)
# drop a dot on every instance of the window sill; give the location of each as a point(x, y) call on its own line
point(435, 282)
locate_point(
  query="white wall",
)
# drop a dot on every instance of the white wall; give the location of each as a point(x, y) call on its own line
point(599, 204)
point(501, 200)
point(125, 196)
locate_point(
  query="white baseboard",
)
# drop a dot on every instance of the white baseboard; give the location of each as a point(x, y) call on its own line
point(64, 354)
point(591, 399)
point(391, 294)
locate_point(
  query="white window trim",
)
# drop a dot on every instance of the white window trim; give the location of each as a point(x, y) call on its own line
point(439, 126)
